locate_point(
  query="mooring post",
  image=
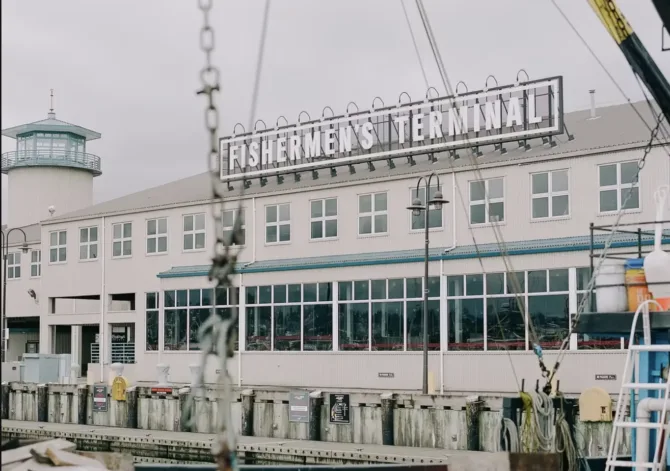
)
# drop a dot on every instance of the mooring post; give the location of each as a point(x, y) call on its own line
point(248, 413)
point(472, 411)
point(82, 405)
point(131, 402)
point(5, 400)
point(314, 429)
point(42, 403)
point(388, 407)
point(184, 425)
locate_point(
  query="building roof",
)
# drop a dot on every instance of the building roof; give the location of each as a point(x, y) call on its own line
point(51, 124)
point(33, 234)
point(527, 247)
point(617, 128)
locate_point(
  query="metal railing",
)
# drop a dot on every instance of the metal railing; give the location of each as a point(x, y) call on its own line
point(58, 158)
point(120, 353)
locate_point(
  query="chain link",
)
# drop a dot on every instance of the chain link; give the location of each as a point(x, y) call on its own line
point(608, 243)
point(217, 334)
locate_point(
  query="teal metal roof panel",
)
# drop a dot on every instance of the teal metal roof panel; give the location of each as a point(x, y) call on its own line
point(51, 124)
point(528, 247)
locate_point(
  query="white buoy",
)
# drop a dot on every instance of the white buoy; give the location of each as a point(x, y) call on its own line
point(657, 262)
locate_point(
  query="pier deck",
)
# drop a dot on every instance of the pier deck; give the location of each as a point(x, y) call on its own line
point(183, 446)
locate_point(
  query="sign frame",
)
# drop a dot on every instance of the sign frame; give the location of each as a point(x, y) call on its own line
point(302, 154)
point(341, 415)
point(100, 392)
point(298, 407)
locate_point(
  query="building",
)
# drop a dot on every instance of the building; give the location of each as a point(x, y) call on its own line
point(330, 270)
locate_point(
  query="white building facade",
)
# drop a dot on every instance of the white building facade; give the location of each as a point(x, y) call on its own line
point(330, 270)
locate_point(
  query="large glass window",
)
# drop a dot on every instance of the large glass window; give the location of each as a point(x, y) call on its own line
point(434, 214)
point(278, 223)
point(157, 236)
point(57, 247)
point(487, 201)
point(372, 214)
point(286, 316)
point(88, 243)
point(548, 307)
point(550, 194)
point(259, 317)
point(152, 328)
point(35, 263)
point(414, 294)
point(323, 219)
point(317, 316)
point(505, 311)
point(194, 231)
point(618, 185)
point(187, 310)
point(13, 265)
point(122, 242)
point(465, 308)
point(230, 217)
point(592, 341)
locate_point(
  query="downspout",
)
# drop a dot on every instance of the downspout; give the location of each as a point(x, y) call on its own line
point(240, 340)
point(446, 251)
point(253, 230)
point(644, 409)
point(101, 340)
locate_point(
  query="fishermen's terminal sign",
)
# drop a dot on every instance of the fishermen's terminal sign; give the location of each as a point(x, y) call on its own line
point(526, 110)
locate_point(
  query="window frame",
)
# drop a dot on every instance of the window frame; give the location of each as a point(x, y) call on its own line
point(412, 217)
point(122, 239)
point(37, 263)
point(323, 218)
point(15, 266)
point(194, 232)
point(619, 187)
point(236, 213)
point(57, 247)
point(156, 236)
point(88, 244)
point(486, 201)
point(373, 212)
point(278, 223)
point(550, 195)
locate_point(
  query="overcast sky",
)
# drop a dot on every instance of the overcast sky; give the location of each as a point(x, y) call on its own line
point(129, 69)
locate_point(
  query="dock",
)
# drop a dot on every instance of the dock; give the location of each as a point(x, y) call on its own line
point(164, 446)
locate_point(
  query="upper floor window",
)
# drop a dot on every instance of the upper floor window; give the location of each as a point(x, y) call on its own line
point(122, 243)
point(35, 263)
point(278, 223)
point(194, 231)
point(549, 194)
point(88, 243)
point(434, 214)
point(323, 218)
point(230, 217)
point(373, 214)
point(13, 265)
point(57, 247)
point(157, 238)
point(487, 201)
point(617, 186)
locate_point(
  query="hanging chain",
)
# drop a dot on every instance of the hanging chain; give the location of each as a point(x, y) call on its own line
point(217, 334)
point(608, 243)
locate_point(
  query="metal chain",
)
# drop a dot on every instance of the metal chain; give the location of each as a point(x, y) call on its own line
point(608, 243)
point(217, 334)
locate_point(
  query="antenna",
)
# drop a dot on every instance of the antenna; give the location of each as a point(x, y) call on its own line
point(51, 110)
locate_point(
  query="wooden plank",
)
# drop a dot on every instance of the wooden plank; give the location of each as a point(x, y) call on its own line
point(23, 453)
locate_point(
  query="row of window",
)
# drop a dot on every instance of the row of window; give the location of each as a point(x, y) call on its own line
point(483, 312)
point(14, 264)
point(550, 198)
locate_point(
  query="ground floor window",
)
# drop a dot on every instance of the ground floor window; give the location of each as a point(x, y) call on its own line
point(473, 312)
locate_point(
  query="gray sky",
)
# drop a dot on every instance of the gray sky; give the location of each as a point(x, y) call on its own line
point(129, 69)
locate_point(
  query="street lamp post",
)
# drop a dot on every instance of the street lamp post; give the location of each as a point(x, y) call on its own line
point(5, 253)
point(417, 207)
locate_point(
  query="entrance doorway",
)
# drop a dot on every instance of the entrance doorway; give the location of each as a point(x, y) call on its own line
point(89, 334)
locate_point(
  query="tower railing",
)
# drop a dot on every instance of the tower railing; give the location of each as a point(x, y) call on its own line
point(50, 158)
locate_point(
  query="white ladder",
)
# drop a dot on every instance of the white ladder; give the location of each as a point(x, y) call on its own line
point(628, 385)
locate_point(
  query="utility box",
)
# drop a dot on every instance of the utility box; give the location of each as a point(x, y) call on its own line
point(46, 368)
point(11, 371)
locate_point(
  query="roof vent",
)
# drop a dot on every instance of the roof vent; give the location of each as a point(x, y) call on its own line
point(593, 105)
